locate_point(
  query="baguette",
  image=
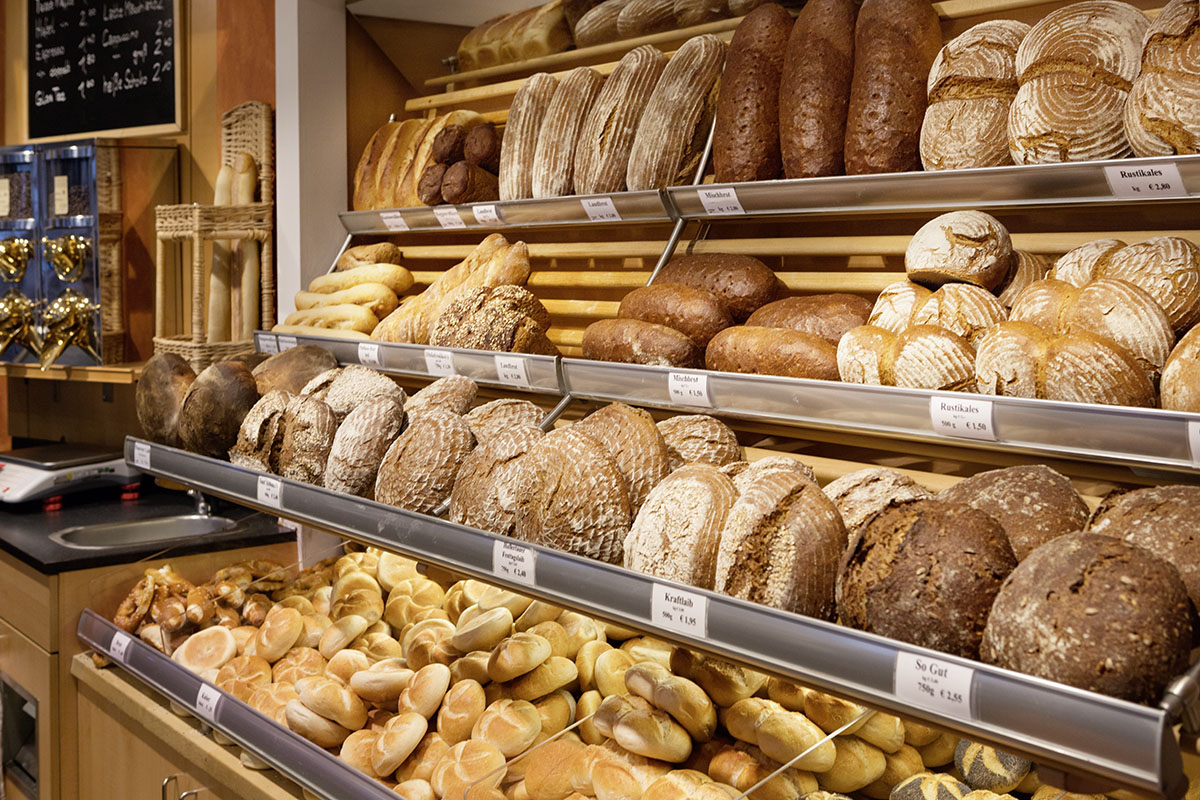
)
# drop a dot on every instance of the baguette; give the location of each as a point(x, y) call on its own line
point(393, 276)
point(247, 269)
point(554, 156)
point(396, 161)
point(368, 163)
point(465, 182)
point(529, 107)
point(342, 317)
point(222, 261)
point(374, 296)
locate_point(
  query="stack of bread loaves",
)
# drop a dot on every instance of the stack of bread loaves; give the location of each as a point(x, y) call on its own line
point(610, 20)
point(464, 161)
point(350, 301)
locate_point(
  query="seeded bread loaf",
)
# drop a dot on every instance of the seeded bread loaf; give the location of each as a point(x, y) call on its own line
point(863, 494)
point(506, 319)
point(554, 154)
point(697, 313)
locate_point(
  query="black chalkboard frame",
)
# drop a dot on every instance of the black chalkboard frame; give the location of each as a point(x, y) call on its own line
point(178, 121)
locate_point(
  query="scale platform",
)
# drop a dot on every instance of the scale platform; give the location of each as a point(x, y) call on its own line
point(33, 473)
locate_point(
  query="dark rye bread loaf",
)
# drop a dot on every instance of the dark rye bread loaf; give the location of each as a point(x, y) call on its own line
point(863, 494)
point(1033, 503)
point(631, 341)
point(814, 91)
point(743, 282)
point(213, 408)
point(261, 434)
point(697, 313)
point(308, 429)
point(772, 351)
point(826, 315)
point(746, 138)
point(895, 43)
point(1093, 612)
point(292, 369)
point(160, 391)
point(925, 572)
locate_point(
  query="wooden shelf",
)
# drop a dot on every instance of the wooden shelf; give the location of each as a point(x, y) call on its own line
point(109, 373)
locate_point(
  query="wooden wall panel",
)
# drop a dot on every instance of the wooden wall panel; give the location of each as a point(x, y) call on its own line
point(245, 52)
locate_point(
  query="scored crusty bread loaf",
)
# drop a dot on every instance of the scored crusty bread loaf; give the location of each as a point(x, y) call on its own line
point(674, 127)
point(829, 316)
point(418, 470)
point(931, 357)
point(632, 341)
point(396, 162)
point(863, 494)
point(453, 393)
point(1027, 267)
point(698, 438)
point(261, 434)
point(607, 135)
point(961, 308)
point(307, 428)
point(632, 440)
point(697, 313)
point(746, 132)
point(364, 174)
point(814, 91)
point(1181, 376)
point(1086, 262)
point(361, 441)
point(599, 24)
point(159, 397)
point(1168, 268)
point(772, 351)
point(543, 33)
point(492, 419)
point(644, 17)
point(553, 171)
point(895, 42)
point(1161, 115)
point(866, 354)
point(292, 369)
point(529, 107)
point(484, 494)
point(345, 388)
point(895, 305)
point(968, 246)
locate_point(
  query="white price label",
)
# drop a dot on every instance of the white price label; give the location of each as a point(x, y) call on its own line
point(962, 416)
point(119, 644)
point(267, 343)
point(600, 209)
point(62, 196)
point(514, 562)
point(448, 217)
point(510, 370)
point(368, 354)
point(207, 700)
point(679, 610)
point(689, 390)
point(439, 362)
point(393, 220)
point(141, 455)
point(934, 684)
point(285, 342)
point(5, 200)
point(721, 201)
point(1146, 181)
point(486, 215)
point(1193, 429)
point(270, 491)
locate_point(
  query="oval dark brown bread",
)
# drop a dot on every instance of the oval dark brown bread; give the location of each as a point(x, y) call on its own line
point(746, 139)
point(895, 43)
point(697, 313)
point(925, 572)
point(743, 282)
point(814, 90)
point(631, 341)
point(772, 351)
point(1094, 612)
point(214, 407)
point(829, 316)
point(160, 391)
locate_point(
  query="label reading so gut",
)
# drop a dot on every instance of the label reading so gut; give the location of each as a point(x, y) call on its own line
point(934, 684)
point(679, 610)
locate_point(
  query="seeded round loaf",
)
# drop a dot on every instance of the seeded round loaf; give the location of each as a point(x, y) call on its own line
point(967, 246)
point(826, 315)
point(863, 494)
point(160, 391)
point(1093, 612)
point(930, 786)
point(698, 438)
point(925, 572)
point(1181, 374)
point(214, 406)
point(984, 767)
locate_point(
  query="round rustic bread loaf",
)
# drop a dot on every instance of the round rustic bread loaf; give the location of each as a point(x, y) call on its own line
point(861, 495)
point(360, 444)
point(1094, 612)
point(260, 436)
point(164, 383)
point(961, 308)
point(1033, 503)
point(308, 428)
point(1161, 112)
point(214, 406)
point(453, 394)
point(895, 305)
point(418, 470)
point(743, 282)
point(631, 341)
point(292, 369)
point(1027, 267)
point(826, 315)
point(1181, 374)
point(345, 388)
point(931, 357)
point(865, 355)
point(1086, 262)
point(503, 318)
point(697, 313)
point(963, 246)
point(925, 572)
point(1168, 269)
point(772, 351)
point(1163, 520)
point(484, 494)
point(699, 438)
point(633, 442)
point(745, 473)
point(494, 418)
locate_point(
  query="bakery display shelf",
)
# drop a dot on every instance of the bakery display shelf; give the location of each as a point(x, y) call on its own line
point(1060, 727)
point(520, 371)
point(292, 755)
point(1170, 178)
point(618, 207)
point(109, 373)
point(1149, 438)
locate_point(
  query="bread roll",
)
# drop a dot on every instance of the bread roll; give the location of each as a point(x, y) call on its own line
point(826, 315)
point(743, 282)
point(722, 681)
point(899, 767)
point(517, 655)
point(421, 763)
point(213, 407)
point(746, 133)
point(333, 701)
point(931, 357)
point(856, 765)
point(745, 766)
point(685, 701)
point(417, 472)
point(1180, 378)
point(632, 440)
point(926, 785)
point(895, 43)
point(698, 313)
point(780, 734)
point(553, 674)
point(771, 351)
point(986, 768)
point(861, 495)
point(640, 728)
point(510, 725)
point(210, 648)
point(467, 763)
point(165, 380)
point(884, 731)
point(314, 727)
point(484, 489)
point(632, 341)
point(554, 154)
point(364, 255)
point(529, 107)
point(962, 309)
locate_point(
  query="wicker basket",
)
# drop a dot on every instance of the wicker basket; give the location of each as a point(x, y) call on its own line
point(247, 128)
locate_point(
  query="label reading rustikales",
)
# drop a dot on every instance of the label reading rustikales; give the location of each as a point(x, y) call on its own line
point(1146, 181)
point(934, 684)
point(963, 417)
point(514, 562)
point(679, 610)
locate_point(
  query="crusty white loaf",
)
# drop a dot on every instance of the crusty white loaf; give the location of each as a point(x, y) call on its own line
point(525, 117)
point(484, 494)
point(1162, 114)
point(895, 305)
point(961, 308)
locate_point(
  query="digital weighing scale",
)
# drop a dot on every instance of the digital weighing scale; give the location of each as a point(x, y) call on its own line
point(32, 473)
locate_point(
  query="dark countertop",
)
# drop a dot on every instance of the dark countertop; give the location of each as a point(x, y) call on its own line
point(25, 528)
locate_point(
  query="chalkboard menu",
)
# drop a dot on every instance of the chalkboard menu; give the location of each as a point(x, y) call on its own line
point(102, 66)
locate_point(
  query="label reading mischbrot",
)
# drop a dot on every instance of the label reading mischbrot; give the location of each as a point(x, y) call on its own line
point(721, 201)
point(689, 389)
point(679, 610)
point(934, 684)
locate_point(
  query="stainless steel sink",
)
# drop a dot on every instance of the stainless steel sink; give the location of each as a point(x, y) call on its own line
point(143, 531)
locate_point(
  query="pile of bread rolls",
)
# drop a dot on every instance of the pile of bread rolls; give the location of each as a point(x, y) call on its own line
point(349, 302)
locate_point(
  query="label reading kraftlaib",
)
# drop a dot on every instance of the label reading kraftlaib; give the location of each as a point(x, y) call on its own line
point(448, 217)
point(1193, 432)
point(266, 343)
point(486, 215)
point(965, 418)
point(141, 455)
point(721, 201)
point(285, 342)
point(439, 362)
point(934, 684)
point(270, 491)
point(207, 700)
point(5, 198)
point(368, 354)
point(514, 562)
point(393, 221)
point(600, 209)
point(62, 195)
point(1146, 181)
point(119, 644)
point(689, 390)
point(679, 610)
point(510, 370)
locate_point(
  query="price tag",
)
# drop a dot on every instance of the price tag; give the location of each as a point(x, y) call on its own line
point(721, 201)
point(1193, 429)
point(368, 354)
point(1146, 181)
point(393, 220)
point(270, 491)
point(600, 209)
point(487, 214)
point(118, 646)
point(934, 684)
point(5, 199)
point(62, 197)
point(439, 362)
point(689, 390)
point(448, 217)
point(962, 416)
point(680, 611)
point(514, 562)
point(207, 700)
point(511, 371)
point(285, 342)
point(267, 343)
point(141, 455)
